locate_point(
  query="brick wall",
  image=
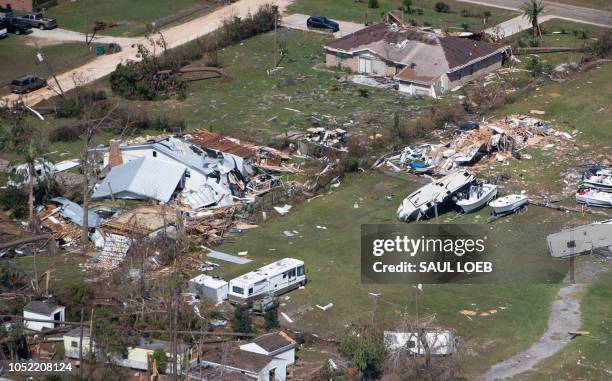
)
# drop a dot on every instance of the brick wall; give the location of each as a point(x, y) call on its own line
point(18, 5)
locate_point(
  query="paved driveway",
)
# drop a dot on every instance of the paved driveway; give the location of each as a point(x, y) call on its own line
point(298, 21)
point(174, 36)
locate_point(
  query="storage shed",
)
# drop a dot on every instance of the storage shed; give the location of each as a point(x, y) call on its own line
point(210, 288)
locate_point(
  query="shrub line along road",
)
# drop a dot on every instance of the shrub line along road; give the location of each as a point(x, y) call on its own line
point(174, 36)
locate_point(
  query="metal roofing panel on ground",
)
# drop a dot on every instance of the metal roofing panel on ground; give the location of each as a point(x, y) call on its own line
point(228, 258)
point(143, 178)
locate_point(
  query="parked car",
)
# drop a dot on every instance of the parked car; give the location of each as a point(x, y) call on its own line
point(16, 26)
point(27, 83)
point(322, 22)
point(36, 20)
point(3, 29)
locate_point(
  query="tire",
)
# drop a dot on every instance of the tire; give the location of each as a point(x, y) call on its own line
point(41, 27)
point(18, 32)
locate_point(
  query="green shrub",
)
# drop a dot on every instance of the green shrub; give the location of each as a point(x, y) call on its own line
point(373, 4)
point(242, 321)
point(15, 199)
point(161, 359)
point(65, 134)
point(442, 7)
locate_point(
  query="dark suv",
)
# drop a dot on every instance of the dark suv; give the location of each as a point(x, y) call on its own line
point(16, 26)
point(322, 22)
point(27, 83)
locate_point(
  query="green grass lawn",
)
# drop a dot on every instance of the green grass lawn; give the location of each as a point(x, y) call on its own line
point(573, 35)
point(132, 15)
point(258, 106)
point(332, 257)
point(586, 357)
point(351, 10)
point(18, 57)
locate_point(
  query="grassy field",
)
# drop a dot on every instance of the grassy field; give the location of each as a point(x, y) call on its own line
point(131, 15)
point(256, 105)
point(332, 257)
point(586, 357)
point(18, 57)
point(350, 10)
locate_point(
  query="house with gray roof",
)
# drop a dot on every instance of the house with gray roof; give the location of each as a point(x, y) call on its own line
point(255, 365)
point(423, 62)
point(44, 315)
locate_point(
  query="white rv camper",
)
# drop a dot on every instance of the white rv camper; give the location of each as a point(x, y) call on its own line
point(276, 278)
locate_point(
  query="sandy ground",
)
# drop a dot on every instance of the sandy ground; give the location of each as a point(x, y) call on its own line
point(174, 36)
point(59, 35)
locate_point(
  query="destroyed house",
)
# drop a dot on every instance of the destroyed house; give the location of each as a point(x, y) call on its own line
point(216, 175)
point(423, 62)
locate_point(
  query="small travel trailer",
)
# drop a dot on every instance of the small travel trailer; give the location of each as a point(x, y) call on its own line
point(210, 288)
point(440, 343)
point(276, 278)
point(582, 240)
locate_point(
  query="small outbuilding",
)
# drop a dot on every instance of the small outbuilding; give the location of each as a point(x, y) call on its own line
point(257, 366)
point(43, 310)
point(277, 344)
point(208, 287)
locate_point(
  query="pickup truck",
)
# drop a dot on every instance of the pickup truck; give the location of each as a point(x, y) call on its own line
point(27, 83)
point(36, 20)
point(3, 29)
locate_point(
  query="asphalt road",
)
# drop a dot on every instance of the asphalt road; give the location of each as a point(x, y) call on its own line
point(564, 11)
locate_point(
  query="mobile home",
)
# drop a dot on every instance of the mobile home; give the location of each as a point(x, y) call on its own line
point(276, 278)
point(594, 238)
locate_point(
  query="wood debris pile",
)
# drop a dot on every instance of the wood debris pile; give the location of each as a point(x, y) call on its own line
point(212, 226)
point(61, 229)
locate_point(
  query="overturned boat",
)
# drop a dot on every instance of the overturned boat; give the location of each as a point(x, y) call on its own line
point(421, 204)
point(594, 197)
point(477, 197)
point(508, 204)
point(583, 240)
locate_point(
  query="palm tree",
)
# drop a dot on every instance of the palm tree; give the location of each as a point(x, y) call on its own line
point(532, 9)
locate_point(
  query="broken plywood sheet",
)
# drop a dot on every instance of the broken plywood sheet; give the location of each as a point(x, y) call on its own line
point(143, 220)
point(228, 258)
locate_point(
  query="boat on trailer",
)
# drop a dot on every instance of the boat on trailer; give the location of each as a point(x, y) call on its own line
point(594, 197)
point(508, 204)
point(477, 197)
point(422, 203)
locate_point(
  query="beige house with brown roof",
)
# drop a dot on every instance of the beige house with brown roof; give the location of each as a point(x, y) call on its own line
point(423, 62)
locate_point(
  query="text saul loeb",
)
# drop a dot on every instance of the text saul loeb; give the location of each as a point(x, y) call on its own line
point(456, 251)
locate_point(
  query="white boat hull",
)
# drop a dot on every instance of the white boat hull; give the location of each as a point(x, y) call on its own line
point(472, 205)
point(593, 201)
point(508, 204)
point(598, 185)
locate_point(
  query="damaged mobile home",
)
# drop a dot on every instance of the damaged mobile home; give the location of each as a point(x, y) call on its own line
point(594, 238)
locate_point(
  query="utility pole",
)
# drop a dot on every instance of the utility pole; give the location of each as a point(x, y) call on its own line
point(91, 344)
point(275, 11)
point(81, 347)
point(41, 58)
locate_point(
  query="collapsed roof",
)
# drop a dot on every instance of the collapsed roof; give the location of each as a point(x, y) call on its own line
point(425, 55)
point(142, 178)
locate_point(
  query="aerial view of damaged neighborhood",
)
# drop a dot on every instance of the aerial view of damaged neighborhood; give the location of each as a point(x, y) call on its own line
point(271, 190)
